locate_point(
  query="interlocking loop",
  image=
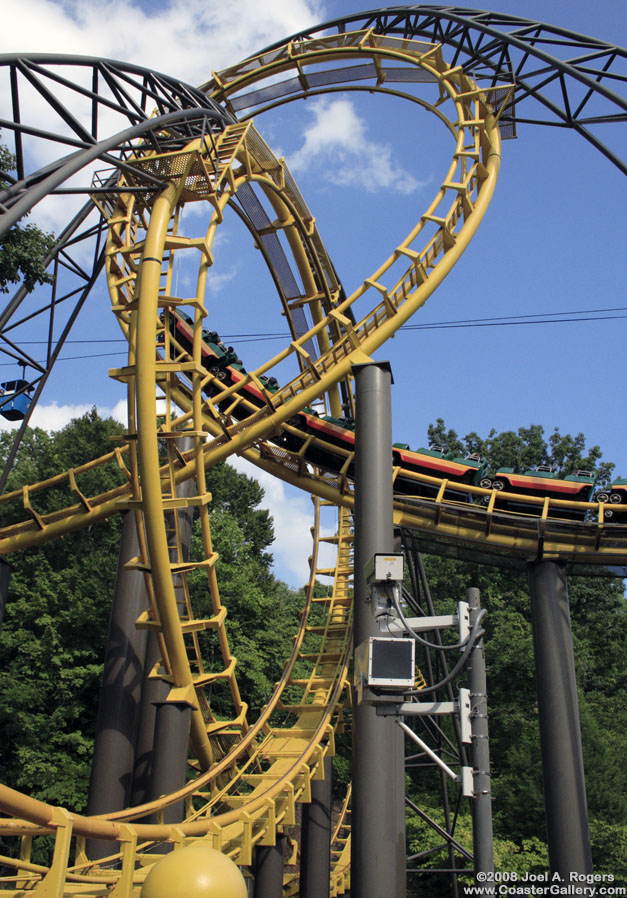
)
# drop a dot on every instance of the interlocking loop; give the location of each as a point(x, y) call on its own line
point(253, 774)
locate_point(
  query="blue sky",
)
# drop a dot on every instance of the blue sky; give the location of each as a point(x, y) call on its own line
point(553, 240)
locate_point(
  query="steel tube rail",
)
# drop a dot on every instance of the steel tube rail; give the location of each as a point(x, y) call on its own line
point(428, 751)
point(464, 30)
point(149, 457)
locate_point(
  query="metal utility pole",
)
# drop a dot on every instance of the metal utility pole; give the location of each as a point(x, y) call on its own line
point(483, 845)
point(560, 736)
point(378, 802)
point(315, 862)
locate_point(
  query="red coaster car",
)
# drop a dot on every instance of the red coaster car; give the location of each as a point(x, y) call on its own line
point(542, 481)
point(435, 462)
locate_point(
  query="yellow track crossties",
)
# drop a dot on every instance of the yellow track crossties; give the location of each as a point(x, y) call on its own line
point(251, 775)
point(352, 327)
point(246, 795)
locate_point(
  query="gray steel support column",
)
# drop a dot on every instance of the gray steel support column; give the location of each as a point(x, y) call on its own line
point(154, 690)
point(269, 869)
point(315, 844)
point(560, 736)
point(169, 757)
point(5, 575)
point(120, 694)
point(483, 844)
point(378, 821)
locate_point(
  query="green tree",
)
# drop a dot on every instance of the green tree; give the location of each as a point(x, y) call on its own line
point(599, 626)
point(525, 448)
point(23, 248)
point(240, 497)
point(55, 627)
point(53, 640)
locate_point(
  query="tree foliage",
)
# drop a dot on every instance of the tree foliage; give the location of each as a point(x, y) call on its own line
point(56, 622)
point(52, 648)
point(23, 248)
point(526, 448)
point(599, 627)
point(55, 628)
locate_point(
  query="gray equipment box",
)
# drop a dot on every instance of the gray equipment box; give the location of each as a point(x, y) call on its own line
point(385, 567)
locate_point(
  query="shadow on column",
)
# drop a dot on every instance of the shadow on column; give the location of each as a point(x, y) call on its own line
point(315, 842)
point(120, 694)
point(269, 861)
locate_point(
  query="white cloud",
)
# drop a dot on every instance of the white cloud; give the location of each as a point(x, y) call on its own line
point(178, 37)
point(336, 145)
point(187, 39)
point(217, 280)
point(292, 513)
point(119, 411)
point(54, 416)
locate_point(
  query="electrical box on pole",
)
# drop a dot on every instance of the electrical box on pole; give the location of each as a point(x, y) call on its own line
point(384, 577)
point(386, 663)
point(384, 671)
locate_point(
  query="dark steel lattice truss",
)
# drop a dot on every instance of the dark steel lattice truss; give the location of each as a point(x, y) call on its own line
point(575, 80)
point(98, 110)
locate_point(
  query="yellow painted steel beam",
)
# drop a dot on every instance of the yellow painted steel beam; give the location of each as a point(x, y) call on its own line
point(247, 793)
point(39, 528)
point(270, 802)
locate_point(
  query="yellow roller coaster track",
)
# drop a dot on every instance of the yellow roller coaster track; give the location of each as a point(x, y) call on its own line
point(251, 776)
point(538, 533)
point(242, 800)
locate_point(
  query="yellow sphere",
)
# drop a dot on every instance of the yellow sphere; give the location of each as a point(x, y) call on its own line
point(197, 871)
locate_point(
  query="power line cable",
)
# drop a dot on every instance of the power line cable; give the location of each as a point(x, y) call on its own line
point(535, 318)
point(505, 321)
